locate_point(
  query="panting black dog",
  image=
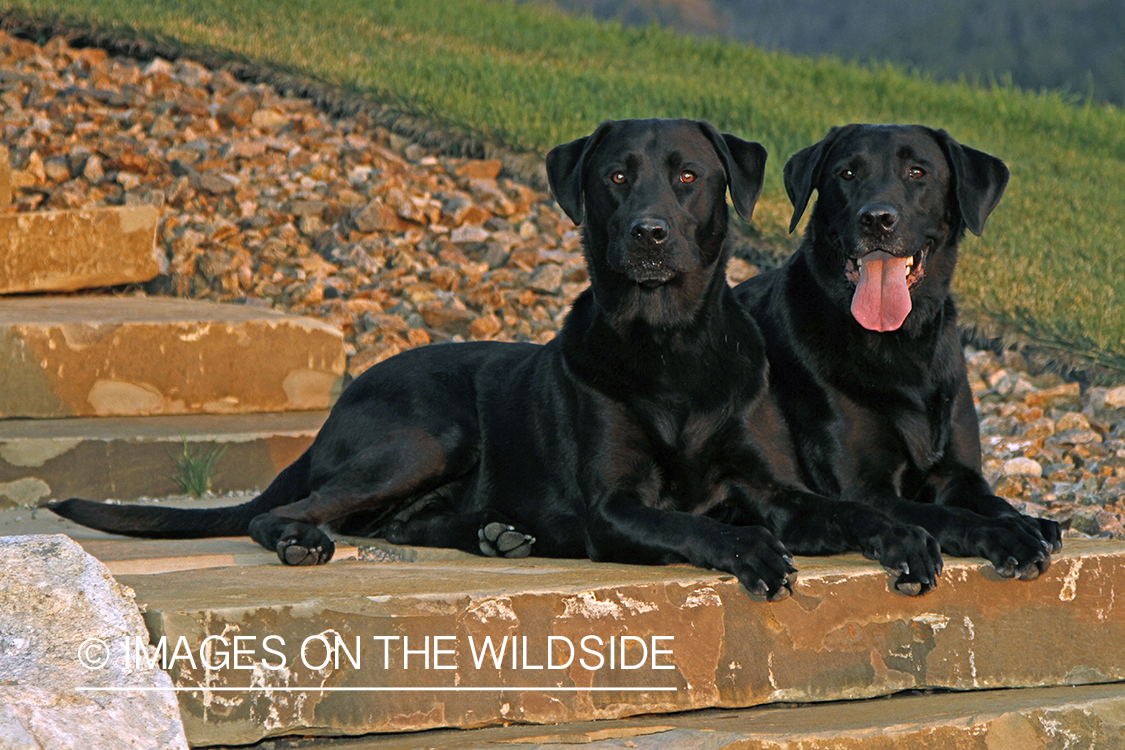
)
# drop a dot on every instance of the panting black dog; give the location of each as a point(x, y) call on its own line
point(643, 433)
point(862, 339)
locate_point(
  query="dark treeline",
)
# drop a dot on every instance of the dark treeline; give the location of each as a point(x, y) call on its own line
point(1077, 46)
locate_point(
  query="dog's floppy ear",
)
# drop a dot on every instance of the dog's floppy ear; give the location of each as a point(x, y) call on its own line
point(745, 165)
point(565, 165)
point(802, 173)
point(980, 179)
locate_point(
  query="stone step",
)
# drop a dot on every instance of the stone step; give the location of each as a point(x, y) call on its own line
point(5, 177)
point(62, 251)
point(124, 458)
point(599, 641)
point(1088, 716)
point(137, 356)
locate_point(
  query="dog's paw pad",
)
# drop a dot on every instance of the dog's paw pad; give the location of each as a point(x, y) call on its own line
point(501, 540)
point(909, 588)
point(292, 553)
point(783, 592)
point(1031, 570)
point(1008, 568)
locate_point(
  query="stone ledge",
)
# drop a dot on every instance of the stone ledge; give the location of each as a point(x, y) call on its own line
point(842, 636)
point(62, 251)
point(125, 458)
point(5, 178)
point(130, 356)
point(1028, 719)
point(151, 556)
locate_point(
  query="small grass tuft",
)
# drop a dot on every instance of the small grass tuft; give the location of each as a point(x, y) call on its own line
point(194, 472)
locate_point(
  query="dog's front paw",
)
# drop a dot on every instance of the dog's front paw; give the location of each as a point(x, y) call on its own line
point(1015, 546)
point(503, 540)
point(1052, 534)
point(301, 544)
point(911, 553)
point(762, 564)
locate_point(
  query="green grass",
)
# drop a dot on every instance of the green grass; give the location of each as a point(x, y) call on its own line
point(194, 471)
point(1049, 266)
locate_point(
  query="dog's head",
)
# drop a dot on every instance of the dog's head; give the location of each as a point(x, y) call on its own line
point(894, 202)
point(651, 198)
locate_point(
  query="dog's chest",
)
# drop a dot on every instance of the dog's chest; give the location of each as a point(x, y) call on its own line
point(919, 422)
point(692, 454)
point(689, 431)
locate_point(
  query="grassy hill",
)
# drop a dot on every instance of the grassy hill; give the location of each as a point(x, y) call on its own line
point(1077, 47)
point(1050, 266)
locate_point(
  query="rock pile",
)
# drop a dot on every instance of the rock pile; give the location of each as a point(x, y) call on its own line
point(1058, 450)
point(269, 201)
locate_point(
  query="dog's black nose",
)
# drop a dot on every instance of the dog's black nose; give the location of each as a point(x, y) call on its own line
point(878, 217)
point(650, 230)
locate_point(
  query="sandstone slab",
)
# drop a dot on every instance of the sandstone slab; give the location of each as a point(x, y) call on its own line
point(151, 556)
point(1027, 719)
point(61, 251)
point(118, 356)
point(59, 608)
point(124, 458)
point(5, 177)
point(366, 647)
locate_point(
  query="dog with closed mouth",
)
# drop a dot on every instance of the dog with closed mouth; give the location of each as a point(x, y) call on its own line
point(643, 433)
point(861, 322)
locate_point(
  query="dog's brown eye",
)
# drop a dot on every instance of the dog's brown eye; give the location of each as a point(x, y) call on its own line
point(687, 177)
point(847, 174)
point(618, 178)
point(916, 173)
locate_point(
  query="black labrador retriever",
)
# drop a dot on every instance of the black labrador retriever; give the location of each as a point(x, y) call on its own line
point(861, 324)
point(643, 433)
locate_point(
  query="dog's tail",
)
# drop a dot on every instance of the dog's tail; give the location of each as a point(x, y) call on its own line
point(155, 522)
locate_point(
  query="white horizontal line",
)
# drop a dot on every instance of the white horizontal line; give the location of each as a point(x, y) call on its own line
point(149, 689)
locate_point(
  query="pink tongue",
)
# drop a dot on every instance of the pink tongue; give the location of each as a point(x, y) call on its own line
point(882, 298)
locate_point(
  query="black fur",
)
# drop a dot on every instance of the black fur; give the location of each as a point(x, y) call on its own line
point(886, 417)
point(643, 433)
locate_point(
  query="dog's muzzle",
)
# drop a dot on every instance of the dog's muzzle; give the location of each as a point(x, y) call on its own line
point(646, 254)
point(649, 231)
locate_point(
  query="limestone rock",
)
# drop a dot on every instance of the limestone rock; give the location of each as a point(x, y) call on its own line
point(1115, 397)
point(124, 356)
point(61, 251)
point(1031, 719)
point(377, 217)
point(238, 110)
point(124, 458)
point(1021, 465)
point(548, 279)
point(681, 638)
point(58, 608)
point(5, 177)
point(1065, 395)
point(449, 319)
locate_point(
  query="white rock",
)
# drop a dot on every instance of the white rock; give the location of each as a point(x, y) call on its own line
point(469, 234)
point(58, 602)
point(1021, 465)
point(1115, 397)
point(158, 66)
